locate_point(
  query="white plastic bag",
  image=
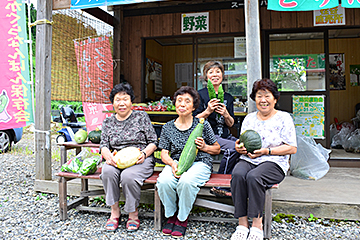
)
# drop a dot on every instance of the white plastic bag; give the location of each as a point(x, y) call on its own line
point(310, 160)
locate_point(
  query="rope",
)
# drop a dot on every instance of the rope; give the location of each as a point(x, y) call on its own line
point(47, 137)
point(40, 22)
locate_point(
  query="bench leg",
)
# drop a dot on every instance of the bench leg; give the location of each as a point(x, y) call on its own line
point(85, 188)
point(62, 198)
point(268, 217)
point(157, 210)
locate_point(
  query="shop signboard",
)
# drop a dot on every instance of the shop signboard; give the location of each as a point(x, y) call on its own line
point(329, 17)
point(95, 114)
point(81, 4)
point(308, 5)
point(240, 47)
point(195, 22)
point(16, 108)
point(310, 61)
point(94, 62)
point(309, 115)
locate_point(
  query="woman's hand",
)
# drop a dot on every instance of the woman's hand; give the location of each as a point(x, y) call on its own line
point(141, 158)
point(240, 148)
point(174, 169)
point(212, 105)
point(221, 109)
point(258, 153)
point(200, 144)
point(108, 156)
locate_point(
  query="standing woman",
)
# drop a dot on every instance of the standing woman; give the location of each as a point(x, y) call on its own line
point(124, 129)
point(178, 193)
point(258, 171)
point(220, 116)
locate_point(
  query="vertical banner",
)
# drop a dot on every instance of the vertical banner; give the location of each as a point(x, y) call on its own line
point(15, 90)
point(95, 113)
point(94, 62)
point(309, 115)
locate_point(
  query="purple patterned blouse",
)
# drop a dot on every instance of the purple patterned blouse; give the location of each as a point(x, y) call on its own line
point(135, 131)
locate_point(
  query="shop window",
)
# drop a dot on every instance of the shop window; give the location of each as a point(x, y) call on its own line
point(297, 61)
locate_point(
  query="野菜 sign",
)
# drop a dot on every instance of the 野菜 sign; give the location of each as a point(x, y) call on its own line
point(194, 22)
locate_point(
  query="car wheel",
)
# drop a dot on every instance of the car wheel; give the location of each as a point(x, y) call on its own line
point(60, 139)
point(5, 141)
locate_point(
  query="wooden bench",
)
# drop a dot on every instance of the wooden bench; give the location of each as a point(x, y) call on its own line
point(216, 180)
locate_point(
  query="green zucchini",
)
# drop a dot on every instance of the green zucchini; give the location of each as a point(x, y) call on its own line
point(190, 150)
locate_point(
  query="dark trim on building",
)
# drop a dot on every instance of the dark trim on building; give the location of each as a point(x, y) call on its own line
point(102, 15)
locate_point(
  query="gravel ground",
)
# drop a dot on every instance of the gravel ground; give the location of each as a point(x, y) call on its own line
point(26, 214)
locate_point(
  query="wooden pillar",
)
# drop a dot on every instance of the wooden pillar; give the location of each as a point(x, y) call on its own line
point(253, 49)
point(43, 91)
point(117, 42)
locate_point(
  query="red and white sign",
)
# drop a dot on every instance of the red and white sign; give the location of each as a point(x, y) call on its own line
point(95, 113)
point(94, 61)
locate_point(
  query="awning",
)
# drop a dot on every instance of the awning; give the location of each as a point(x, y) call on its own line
point(82, 4)
point(309, 5)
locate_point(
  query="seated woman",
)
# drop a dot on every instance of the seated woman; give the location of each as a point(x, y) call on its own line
point(178, 193)
point(221, 118)
point(123, 129)
point(258, 171)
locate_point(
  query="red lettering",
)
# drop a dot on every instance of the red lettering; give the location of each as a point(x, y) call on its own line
point(284, 4)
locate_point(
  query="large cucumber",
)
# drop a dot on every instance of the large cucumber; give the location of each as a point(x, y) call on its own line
point(211, 90)
point(190, 150)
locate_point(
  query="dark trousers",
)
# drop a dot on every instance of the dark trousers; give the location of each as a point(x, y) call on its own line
point(248, 185)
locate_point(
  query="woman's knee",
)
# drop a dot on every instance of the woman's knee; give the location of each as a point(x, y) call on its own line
point(108, 172)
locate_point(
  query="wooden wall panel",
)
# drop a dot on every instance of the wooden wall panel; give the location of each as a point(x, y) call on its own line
point(145, 26)
point(265, 22)
point(305, 19)
point(232, 20)
point(283, 19)
point(167, 24)
point(177, 24)
point(214, 21)
point(155, 21)
point(349, 16)
point(357, 16)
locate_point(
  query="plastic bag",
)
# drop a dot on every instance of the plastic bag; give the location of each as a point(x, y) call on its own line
point(352, 143)
point(89, 165)
point(310, 160)
point(333, 131)
point(338, 139)
point(74, 164)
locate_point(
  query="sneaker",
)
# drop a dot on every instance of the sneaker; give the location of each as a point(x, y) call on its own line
point(255, 234)
point(241, 233)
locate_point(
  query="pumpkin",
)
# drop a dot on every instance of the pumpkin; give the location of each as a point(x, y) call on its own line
point(127, 157)
point(95, 136)
point(190, 150)
point(251, 140)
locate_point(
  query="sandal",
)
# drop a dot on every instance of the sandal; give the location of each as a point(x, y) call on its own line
point(112, 224)
point(241, 233)
point(255, 234)
point(178, 231)
point(220, 193)
point(168, 228)
point(132, 225)
point(179, 228)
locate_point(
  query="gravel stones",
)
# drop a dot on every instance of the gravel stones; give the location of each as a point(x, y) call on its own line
point(26, 214)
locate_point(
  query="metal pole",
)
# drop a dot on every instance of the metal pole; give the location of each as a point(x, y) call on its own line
point(253, 48)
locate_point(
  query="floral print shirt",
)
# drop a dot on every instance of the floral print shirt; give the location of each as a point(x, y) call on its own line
point(276, 131)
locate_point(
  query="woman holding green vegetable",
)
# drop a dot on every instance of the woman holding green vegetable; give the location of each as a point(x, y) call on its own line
point(218, 108)
point(173, 138)
point(126, 128)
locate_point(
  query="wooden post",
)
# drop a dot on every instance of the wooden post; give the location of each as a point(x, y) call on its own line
point(253, 49)
point(43, 91)
point(117, 42)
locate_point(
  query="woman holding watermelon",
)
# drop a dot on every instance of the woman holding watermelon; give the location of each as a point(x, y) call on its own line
point(126, 128)
point(218, 108)
point(272, 133)
point(177, 186)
